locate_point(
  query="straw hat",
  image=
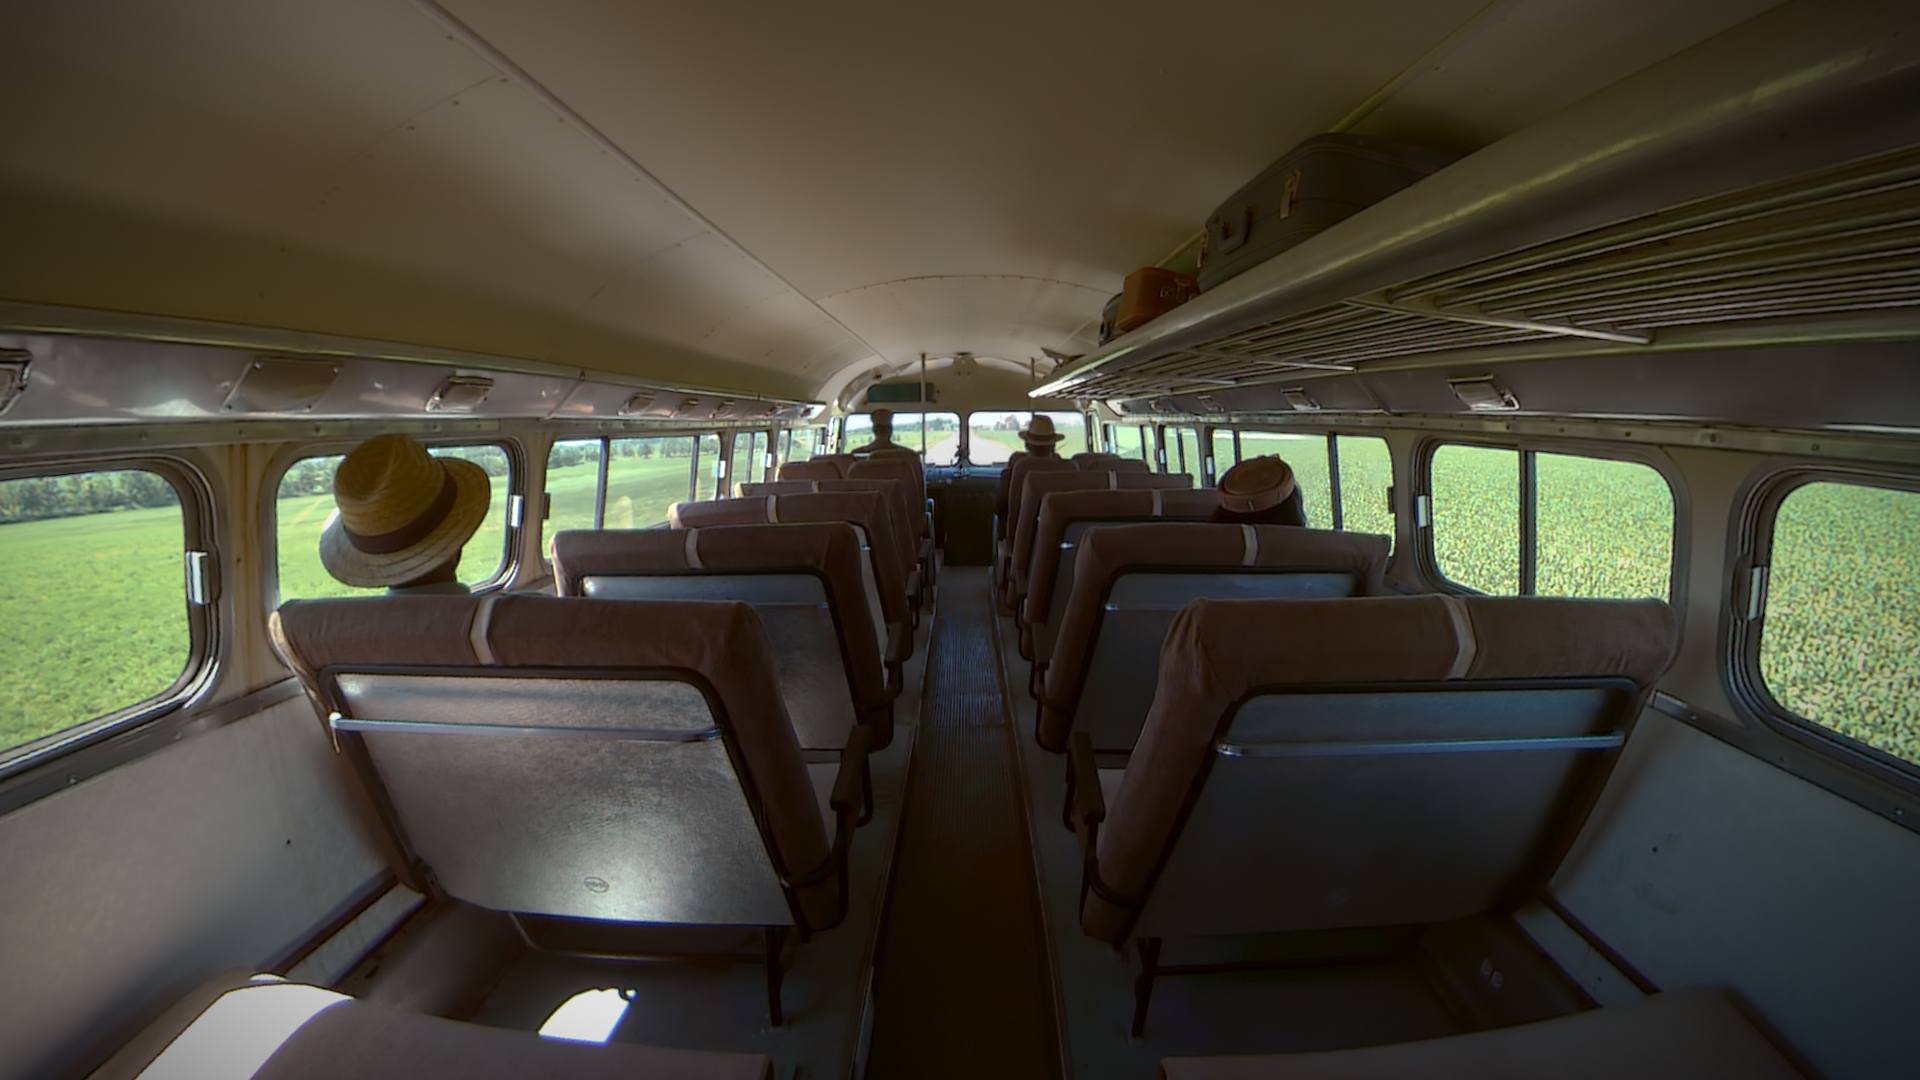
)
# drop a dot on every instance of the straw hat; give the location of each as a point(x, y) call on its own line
point(1256, 484)
point(403, 512)
point(1039, 431)
point(883, 418)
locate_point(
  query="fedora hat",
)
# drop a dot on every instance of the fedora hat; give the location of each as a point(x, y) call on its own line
point(1256, 484)
point(883, 418)
point(1040, 430)
point(402, 512)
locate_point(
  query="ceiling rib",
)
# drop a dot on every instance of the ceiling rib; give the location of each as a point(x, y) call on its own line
point(486, 51)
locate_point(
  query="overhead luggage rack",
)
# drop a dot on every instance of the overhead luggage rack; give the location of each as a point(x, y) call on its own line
point(1837, 241)
point(1761, 188)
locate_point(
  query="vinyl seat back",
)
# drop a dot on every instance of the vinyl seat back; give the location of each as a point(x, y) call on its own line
point(869, 512)
point(1026, 515)
point(805, 583)
point(575, 758)
point(1065, 519)
point(1131, 580)
point(1378, 761)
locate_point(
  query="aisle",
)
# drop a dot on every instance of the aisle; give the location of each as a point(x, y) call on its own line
point(961, 986)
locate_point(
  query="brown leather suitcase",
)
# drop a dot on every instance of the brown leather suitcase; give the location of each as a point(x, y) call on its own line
point(1149, 293)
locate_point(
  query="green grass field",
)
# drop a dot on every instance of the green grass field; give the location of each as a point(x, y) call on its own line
point(93, 610)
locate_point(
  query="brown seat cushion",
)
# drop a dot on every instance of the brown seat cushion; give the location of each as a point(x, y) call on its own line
point(872, 511)
point(819, 468)
point(1219, 652)
point(912, 503)
point(1106, 554)
point(1026, 516)
point(333, 1035)
point(1697, 1034)
point(829, 550)
point(903, 533)
point(1061, 509)
point(721, 643)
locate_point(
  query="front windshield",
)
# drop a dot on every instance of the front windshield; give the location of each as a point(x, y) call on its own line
point(994, 436)
point(936, 435)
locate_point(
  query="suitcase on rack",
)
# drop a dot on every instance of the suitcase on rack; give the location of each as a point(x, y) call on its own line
point(1316, 185)
point(1108, 331)
point(1149, 293)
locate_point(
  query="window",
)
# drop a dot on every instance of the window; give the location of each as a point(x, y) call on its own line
point(1224, 455)
point(1605, 528)
point(1307, 454)
point(1598, 527)
point(749, 460)
point(936, 435)
point(118, 632)
point(303, 506)
point(1840, 634)
point(706, 479)
point(645, 477)
point(1183, 453)
point(1126, 440)
point(1366, 484)
point(1476, 517)
point(992, 437)
point(573, 484)
point(801, 442)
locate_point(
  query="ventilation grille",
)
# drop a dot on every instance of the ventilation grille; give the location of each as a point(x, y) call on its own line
point(1838, 242)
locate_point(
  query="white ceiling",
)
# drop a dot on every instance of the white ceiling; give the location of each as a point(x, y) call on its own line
point(765, 197)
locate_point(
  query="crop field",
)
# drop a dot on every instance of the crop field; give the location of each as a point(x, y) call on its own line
point(93, 608)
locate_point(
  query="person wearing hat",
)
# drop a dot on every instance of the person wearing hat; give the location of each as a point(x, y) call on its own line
point(1260, 491)
point(882, 434)
point(1040, 440)
point(403, 517)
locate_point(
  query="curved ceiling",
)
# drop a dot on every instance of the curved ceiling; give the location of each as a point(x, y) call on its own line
point(773, 199)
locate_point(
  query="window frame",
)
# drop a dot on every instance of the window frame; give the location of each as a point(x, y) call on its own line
point(1745, 683)
point(1528, 473)
point(606, 470)
point(1337, 512)
point(289, 456)
point(206, 634)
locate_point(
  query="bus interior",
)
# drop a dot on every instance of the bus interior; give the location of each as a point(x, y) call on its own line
point(856, 445)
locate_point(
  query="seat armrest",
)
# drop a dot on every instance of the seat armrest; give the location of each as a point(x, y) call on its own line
point(1086, 804)
point(853, 784)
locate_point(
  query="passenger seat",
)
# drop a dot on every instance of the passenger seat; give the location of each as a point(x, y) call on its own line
point(1696, 1034)
point(593, 760)
point(871, 515)
point(805, 581)
point(1065, 519)
point(1129, 581)
point(1033, 494)
point(907, 546)
point(235, 1027)
point(1372, 762)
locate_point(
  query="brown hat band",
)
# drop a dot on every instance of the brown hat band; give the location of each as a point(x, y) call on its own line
point(414, 531)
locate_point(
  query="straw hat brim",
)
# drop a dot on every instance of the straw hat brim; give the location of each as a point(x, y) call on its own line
point(1028, 436)
point(473, 493)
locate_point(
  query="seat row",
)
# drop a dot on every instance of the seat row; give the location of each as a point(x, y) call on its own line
point(681, 736)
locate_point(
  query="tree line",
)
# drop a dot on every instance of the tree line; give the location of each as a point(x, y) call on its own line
point(37, 498)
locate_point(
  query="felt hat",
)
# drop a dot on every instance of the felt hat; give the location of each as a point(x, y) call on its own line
point(402, 512)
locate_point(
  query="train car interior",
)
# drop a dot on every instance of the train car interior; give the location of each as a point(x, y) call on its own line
point(1236, 541)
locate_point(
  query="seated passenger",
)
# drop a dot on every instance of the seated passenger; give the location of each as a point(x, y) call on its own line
point(403, 517)
point(1041, 441)
point(882, 434)
point(1260, 491)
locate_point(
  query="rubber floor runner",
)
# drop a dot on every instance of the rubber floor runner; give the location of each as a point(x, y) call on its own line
point(961, 987)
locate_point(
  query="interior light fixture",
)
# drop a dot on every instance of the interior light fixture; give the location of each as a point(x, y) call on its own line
point(1481, 394)
point(460, 393)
